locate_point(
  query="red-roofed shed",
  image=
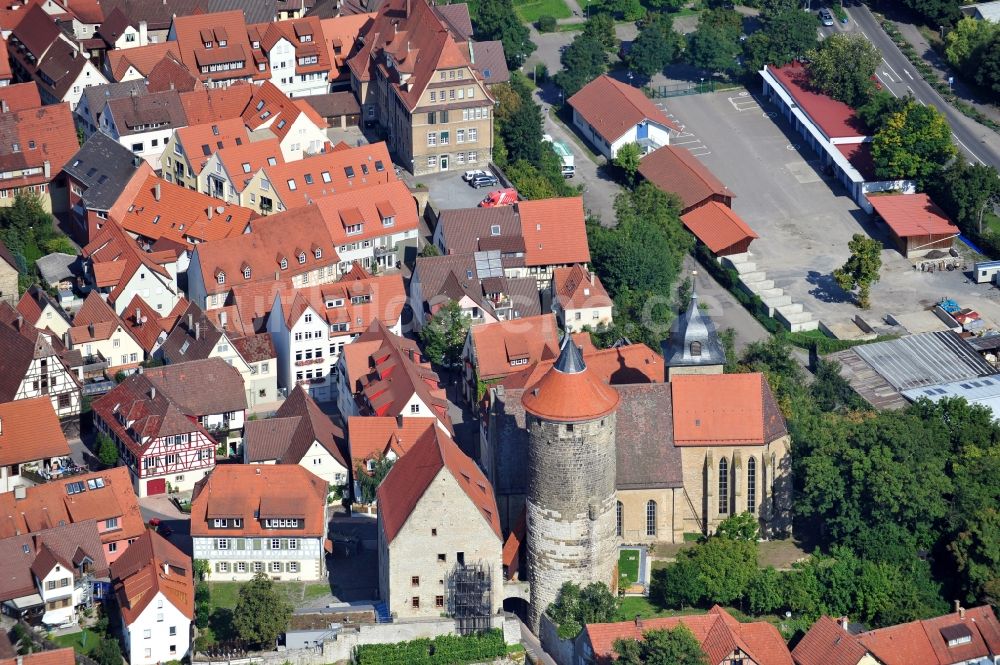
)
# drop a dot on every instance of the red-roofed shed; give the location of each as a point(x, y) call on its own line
point(720, 229)
point(917, 225)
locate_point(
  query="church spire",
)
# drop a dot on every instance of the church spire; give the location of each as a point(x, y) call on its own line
point(693, 345)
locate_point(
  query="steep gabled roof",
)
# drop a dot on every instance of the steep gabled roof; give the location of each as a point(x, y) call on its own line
point(612, 108)
point(194, 31)
point(104, 167)
point(827, 643)
point(576, 287)
point(728, 409)
point(19, 96)
point(201, 387)
point(374, 436)
point(288, 436)
point(29, 431)
point(116, 257)
point(202, 141)
point(497, 345)
point(32, 138)
point(152, 565)
point(411, 477)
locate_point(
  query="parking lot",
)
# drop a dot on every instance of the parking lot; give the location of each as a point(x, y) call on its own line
point(448, 190)
point(804, 218)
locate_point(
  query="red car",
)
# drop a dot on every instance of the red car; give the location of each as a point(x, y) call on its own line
point(500, 197)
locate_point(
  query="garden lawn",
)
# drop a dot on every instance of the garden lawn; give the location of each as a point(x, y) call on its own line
point(83, 642)
point(530, 11)
point(225, 594)
point(628, 568)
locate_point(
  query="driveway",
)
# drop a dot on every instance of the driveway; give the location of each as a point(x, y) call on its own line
point(978, 143)
point(447, 190)
point(163, 509)
point(804, 218)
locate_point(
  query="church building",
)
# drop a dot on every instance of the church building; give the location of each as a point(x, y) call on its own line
point(690, 449)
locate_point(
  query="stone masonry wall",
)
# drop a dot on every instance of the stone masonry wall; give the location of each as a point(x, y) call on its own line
point(571, 507)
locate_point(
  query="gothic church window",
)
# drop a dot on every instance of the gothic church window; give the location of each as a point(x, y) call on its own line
point(723, 486)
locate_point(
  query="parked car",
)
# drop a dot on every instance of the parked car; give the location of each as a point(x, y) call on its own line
point(469, 175)
point(826, 16)
point(484, 180)
point(500, 197)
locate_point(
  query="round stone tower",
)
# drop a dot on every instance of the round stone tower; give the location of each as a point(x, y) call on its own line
point(571, 480)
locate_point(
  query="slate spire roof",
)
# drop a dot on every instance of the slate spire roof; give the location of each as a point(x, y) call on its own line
point(693, 339)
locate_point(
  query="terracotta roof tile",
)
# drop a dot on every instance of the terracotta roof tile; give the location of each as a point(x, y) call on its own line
point(677, 171)
point(702, 417)
point(554, 231)
point(214, 104)
point(827, 643)
point(19, 96)
point(202, 141)
point(182, 215)
point(170, 74)
point(244, 490)
point(229, 26)
point(327, 174)
point(411, 477)
point(717, 226)
point(115, 257)
point(835, 119)
point(361, 207)
point(340, 34)
point(576, 287)
point(497, 345)
point(29, 431)
point(612, 107)
point(570, 395)
point(150, 566)
point(41, 135)
point(923, 641)
point(385, 295)
point(201, 387)
point(142, 58)
point(374, 436)
point(911, 215)
point(241, 162)
point(288, 436)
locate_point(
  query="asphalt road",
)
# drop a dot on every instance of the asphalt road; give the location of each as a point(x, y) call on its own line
point(978, 143)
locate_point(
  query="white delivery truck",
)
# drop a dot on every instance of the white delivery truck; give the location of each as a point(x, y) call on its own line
point(565, 156)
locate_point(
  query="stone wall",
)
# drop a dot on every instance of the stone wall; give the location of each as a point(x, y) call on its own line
point(571, 507)
point(670, 509)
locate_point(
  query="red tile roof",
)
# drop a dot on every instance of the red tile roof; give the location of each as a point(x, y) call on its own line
point(288, 436)
point(144, 323)
point(369, 207)
point(912, 215)
point(411, 476)
point(42, 135)
point(255, 492)
point(45, 505)
point(860, 157)
point(182, 215)
point(65, 656)
point(285, 236)
point(827, 643)
point(291, 30)
point(115, 258)
point(717, 631)
point(193, 31)
point(151, 566)
point(326, 174)
point(374, 436)
point(926, 642)
point(214, 104)
point(835, 119)
point(497, 345)
point(29, 431)
point(677, 171)
point(576, 287)
point(241, 162)
point(717, 226)
point(635, 363)
point(19, 96)
point(612, 107)
point(141, 58)
point(340, 34)
point(554, 231)
point(201, 141)
point(713, 409)
point(95, 321)
point(572, 396)
point(270, 108)
point(385, 296)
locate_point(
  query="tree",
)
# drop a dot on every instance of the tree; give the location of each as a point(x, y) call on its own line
point(627, 159)
point(628, 10)
point(843, 67)
point(742, 526)
point(429, 250)
point(601, 27)
point(968, 36)
point(987, 73)
point(962, 190)
point(202, 604)
point(711, 48)
point(769, 8)
point(444, 334)
point(655, 47)
point(976, 551)
point(915, 143)
point(881, 106)
point(107, 652)
point(785, 36)
point(520, 121)
point(677, 585)
point(107, 451)
point(674, 646)
point(369, 475)
point(496, 20)
point(583, 61)
point(764, 593)
point(861, 269)
point(935, 12)
point(261, 612)
point(575, 607)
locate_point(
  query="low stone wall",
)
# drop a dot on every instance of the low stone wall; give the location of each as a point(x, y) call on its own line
point(562, 651)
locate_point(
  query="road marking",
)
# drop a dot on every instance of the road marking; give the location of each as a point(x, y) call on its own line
point(891, 69)
point(967, 149)
point(908, 74)
point(864, 35)
point(885, 85)
point(886, 74)
point(685, 142)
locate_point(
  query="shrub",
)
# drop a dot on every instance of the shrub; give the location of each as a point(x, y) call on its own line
point(546, 24)
point(443, 650)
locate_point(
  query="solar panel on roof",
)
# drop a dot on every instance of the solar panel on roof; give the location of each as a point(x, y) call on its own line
point(488, 264)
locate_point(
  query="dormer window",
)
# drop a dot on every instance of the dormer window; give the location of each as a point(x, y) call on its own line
point(246, 272)
point(495, 230)
point(207, 44)
point(695, 348)
point(388, 221)
point(318, 253)
point(302, 257)
point(284, 264)
point(222, 42)
point(221, 277)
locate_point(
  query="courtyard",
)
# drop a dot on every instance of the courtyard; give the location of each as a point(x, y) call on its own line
point(804, 217)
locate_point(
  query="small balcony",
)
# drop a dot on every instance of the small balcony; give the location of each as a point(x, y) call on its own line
point(311, 382)
point(309, 361)
point(94, 364)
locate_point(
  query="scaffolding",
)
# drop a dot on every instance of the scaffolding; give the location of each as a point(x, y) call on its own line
point(470, 597)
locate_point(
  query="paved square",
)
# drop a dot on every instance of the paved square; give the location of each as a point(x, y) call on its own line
point(805, 218)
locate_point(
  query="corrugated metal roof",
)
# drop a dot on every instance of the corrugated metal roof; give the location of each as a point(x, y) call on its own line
point(925, 359)
point(981, 390)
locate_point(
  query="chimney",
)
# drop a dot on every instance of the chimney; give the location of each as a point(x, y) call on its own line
point(592, 280)
point(399, 421)
point(222, 320)
point(138, 316)
point(136, 160)
point(143, 33)
point(190, 321)
point(3, 106)
point(210, 208)
point(152, 392)
point(67, 341)
point(197, 330)
point(90, 329)
point(844, 623)
point(166, 568)
point(959, 609)
point(407, 8)
point(258, 470)
point(19, 322)
point(1, 425)
point(156, 191)
point(472, 53)
point(48, 168)
point(138, 370)
point(20, 492)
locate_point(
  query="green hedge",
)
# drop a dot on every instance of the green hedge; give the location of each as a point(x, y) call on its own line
point(443, 650)
point(546, 24)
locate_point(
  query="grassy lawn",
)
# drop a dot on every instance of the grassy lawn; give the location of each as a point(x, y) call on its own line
point(83, 642)
point(991, 222)
point(225, 594)
point(628, 568)
point(529, 11)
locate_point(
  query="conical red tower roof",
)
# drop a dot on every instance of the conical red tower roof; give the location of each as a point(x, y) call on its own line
point(569, 392)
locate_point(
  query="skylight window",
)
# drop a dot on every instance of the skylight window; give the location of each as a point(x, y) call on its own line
point(326, 176)
point(246, 167)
